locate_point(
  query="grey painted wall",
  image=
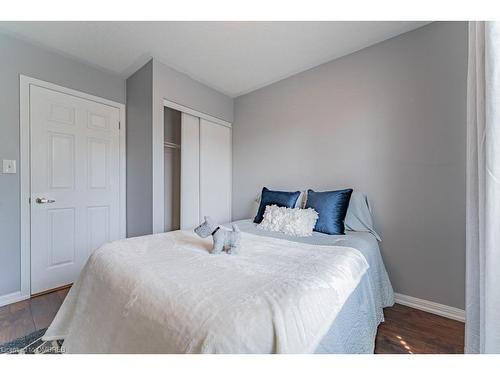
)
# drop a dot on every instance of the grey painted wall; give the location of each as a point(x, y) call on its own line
point(139, 155)
point(179, 88)
point(18, 57)
point(388, 120)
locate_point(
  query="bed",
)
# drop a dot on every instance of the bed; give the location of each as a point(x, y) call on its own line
point(165, 293)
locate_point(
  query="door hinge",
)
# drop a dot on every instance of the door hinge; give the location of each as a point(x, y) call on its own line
point(29, 200)
point(119, 125)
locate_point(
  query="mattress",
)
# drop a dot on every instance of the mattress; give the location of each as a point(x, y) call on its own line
point(165, 293)
point(355, 326)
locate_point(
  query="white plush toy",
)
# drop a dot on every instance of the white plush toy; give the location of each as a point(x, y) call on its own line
point(224, 239)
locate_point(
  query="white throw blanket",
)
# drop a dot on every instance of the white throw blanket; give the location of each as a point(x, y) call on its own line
point(166, 294)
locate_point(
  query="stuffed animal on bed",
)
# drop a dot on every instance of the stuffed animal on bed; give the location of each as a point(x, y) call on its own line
point(224, 239)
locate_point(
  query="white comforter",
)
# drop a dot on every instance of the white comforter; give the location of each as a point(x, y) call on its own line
point(166, 294)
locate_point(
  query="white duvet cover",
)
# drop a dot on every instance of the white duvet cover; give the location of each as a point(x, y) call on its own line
point(166, 294)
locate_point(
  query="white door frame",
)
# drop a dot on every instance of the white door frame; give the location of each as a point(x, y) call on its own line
point(24, 115)
point(194, 112)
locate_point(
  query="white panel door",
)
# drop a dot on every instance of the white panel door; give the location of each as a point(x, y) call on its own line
point(190, 171)
point(215, 171)
point(74, 184)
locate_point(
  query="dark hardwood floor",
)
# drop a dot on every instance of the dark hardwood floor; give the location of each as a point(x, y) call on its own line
point(405, 330)
point(411, 331)
point(22, 318)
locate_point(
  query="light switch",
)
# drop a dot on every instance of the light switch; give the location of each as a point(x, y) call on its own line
point(9, 166)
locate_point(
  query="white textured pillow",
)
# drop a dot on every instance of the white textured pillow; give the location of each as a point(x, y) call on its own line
point(292, 221)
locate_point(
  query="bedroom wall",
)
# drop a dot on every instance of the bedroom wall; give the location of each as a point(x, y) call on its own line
point(139, 156)
point(19, 57)
point(388, 120)
point(181, 89)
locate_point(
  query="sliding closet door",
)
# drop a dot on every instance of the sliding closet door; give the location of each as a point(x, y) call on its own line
point(190, 167)
point(215, 171)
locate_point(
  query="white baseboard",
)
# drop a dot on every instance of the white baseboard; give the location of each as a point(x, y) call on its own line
point(432, 307)
point(7, 299)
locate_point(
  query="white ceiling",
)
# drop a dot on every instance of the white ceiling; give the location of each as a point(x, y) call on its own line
point(232, 57)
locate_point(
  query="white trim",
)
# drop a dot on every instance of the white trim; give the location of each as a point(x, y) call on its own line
point(7, 299)
point(231, 176)
point(123, 171)
point(158, 171)
point(24, 162)
point(26, 80)
point(24, 123)
point(181, 108)
point(431, 307)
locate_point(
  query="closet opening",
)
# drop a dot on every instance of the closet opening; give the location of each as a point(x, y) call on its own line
point(197, 168)
point(172, 168)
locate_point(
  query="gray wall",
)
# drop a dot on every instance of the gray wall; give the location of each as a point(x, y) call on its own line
point(179, 88)
point(18, 57)
point(388, 120)
point(139, 155)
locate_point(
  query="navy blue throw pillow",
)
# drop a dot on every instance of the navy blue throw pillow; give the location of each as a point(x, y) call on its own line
point(331, 207)
point(279, 198)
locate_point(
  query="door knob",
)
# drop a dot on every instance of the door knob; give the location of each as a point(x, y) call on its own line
point(44, 200)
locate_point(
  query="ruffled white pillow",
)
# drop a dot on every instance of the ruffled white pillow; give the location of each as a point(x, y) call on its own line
point(292, 221)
